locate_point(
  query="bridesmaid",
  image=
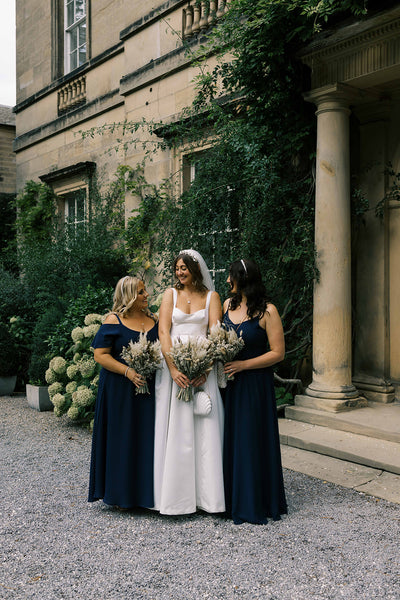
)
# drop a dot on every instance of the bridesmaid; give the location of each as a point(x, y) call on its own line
point(121, 471)
point(253, 477)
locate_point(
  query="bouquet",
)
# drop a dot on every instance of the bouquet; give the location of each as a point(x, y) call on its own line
point(225, 345)
point(143, 356)
point(192, 358)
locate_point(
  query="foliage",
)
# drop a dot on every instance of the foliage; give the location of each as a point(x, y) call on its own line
point(92, 300)
point(40, 351)
point(7, 224)
point(36, 209)
point(10, 355)
point(73, 379)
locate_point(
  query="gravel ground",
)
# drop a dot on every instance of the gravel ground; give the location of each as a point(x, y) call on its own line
point(334, 543)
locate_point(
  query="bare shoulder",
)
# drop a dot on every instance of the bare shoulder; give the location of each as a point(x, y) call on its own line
point(111, 319)
point(272, 311)
point(215, 297)
point(167, 296)
point(226, 305)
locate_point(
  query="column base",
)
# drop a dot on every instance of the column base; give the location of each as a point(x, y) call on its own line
point(374, 389)
point(330, 404)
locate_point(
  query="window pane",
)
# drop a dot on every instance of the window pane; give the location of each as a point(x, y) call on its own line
point(80, 9)
point(82, 54)
point(73, 39)
point(80, 209)
point(70, 13)
point(73, 60)
point(71, 209)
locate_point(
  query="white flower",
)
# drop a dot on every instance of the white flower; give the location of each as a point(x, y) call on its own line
point(50, 376)
point(58, 400)
point(93, 318)
point(77, 334)
point(72, 371)
point(95, 381)
point(83, 396)
point(58, 364)
point(87, 367)
point(55, 388)
point(74, 412)
point(90, 330)
point(70, 388)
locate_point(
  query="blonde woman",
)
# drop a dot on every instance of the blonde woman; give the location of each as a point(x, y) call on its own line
point(121, 471)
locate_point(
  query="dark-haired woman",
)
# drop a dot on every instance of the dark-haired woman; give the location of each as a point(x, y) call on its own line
point(254, 488)
point(188, 469)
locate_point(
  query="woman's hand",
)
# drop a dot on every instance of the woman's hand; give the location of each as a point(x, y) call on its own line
point(199, 380)
point(230, 368)
point(180, 379)
point(136, 379)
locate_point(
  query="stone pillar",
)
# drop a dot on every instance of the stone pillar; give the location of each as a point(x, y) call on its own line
point(331, 388)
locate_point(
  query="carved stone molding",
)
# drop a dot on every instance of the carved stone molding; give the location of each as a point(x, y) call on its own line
point(357, 53)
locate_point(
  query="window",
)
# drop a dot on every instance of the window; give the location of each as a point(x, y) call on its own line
point(75, 34)
point(74, 207)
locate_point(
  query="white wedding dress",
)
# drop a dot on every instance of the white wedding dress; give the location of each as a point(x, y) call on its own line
point(188, 472)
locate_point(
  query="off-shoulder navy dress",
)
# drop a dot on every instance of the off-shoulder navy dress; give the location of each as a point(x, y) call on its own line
point(121, 469)
point(253, 478)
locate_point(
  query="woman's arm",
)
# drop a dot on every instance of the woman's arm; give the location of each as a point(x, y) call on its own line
point(272, 323)
point(214, 310)
point(164, 329)
point(104, 357)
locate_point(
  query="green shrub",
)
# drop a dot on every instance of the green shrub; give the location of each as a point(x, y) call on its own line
point(41, 355)
point(92, 300)
point(10, 355)
point(73, 380)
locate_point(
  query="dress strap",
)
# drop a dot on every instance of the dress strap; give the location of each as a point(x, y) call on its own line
point(175, 296)
point(119, 320)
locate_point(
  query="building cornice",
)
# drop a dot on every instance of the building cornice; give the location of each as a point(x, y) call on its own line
point(357, 51)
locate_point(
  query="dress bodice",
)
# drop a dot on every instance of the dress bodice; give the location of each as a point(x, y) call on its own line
point(254, 337)
point(116, 336)
point(194, 324)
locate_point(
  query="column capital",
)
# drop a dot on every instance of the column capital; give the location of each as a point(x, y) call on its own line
point(337, 96)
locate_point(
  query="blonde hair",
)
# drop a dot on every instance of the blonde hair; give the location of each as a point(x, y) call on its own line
point(125, 294)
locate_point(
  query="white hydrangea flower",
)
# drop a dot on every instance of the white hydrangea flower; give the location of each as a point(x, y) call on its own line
point(58, 364)
point(72, 371)
point(90, 330)
point(55, 388)
point(58, 400)
point(83, 396)
point(77, 334)
point(50, 376)
point(74, 412)
point(70, 388)
point(95, 381)
point(87, 367)
point(93, 318)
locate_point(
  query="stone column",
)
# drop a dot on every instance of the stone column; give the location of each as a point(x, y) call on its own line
point(331, 388)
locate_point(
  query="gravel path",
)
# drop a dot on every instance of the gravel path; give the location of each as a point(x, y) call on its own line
point(335, 543)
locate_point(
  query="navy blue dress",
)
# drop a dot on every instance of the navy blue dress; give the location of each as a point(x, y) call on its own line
point(253, 477)
point(121, 469)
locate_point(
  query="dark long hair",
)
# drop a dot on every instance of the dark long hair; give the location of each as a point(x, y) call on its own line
point(194, 269)
point(247, 276)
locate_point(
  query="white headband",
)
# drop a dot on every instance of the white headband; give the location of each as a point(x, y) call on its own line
point(244, 265)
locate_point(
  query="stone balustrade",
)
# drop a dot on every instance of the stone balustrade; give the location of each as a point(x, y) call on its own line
point(72, 94)
point(200, 15)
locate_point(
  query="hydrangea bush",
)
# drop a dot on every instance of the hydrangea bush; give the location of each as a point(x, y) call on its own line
point(73, 380)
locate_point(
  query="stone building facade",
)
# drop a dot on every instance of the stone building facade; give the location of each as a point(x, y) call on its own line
point(84, 64)
point(7, 156)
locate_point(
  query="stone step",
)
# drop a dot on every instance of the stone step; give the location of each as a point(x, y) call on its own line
point(379, 421)
point(344, 445)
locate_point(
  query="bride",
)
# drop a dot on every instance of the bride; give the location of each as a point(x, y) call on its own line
point(188, 472)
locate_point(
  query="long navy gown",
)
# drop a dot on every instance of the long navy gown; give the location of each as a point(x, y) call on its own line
point(121, 469)
point(253, 478)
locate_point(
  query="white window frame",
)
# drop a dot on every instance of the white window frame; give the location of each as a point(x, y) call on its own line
point(65, 198)
point(69, 29)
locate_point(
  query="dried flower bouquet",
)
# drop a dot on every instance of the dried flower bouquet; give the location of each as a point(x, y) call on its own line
point(143, 356)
